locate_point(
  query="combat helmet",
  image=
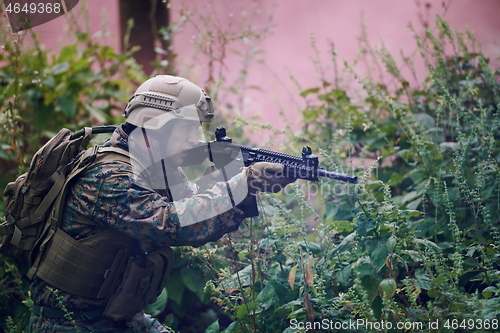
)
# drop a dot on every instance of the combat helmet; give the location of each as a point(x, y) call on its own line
point(164, 98)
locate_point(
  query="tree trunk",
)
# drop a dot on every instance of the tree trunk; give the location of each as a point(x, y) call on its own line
point(149, 16)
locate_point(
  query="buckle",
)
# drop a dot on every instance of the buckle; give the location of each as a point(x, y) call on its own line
point(90, 158)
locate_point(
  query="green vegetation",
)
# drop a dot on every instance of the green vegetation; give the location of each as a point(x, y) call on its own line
point(86, 84)
point(415, 243)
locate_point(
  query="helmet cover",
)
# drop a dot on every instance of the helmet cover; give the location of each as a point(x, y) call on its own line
point(164, 98)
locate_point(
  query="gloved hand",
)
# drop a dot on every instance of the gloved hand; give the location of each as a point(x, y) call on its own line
point(210, 177)
point(267, 177)
point(261, 176)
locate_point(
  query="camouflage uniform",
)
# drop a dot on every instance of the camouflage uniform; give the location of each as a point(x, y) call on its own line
point(107, 196)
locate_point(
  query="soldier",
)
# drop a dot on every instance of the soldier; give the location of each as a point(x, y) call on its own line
point(130, 206)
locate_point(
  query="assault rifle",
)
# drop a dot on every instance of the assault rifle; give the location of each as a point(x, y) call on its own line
point(222, 151)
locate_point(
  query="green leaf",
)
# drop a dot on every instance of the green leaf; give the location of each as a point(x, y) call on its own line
point(232, 328)
point(194, 280)
point(266, 296)
point(298, 314)
point(489, 291)
point(365, 225)
point(290, 330)
point(158, 306)
point(410, 213)
point(425, 120)
point(363, 268)
point(280, 290)
point(4, 156)
point(49, 82)
point(422, 280)
point(43, 116)
point(213, 328)
point(242, 254)
point(311, 115)
point(377, 306)
point(244, 309)
point(391, 241)
point(343, 275)
point(309, 91)
point(80, 64)
point(378, 252)
point(244, 275)
point(405, 154)
point(287, 308)
point(396, 178)
point(60, 68)
point(67, 104)
point(98, 114)
point(68, 53)
point(431, 245)
point(345, 245)
point(313, 247)
point(343, 226)
point(410, 196)
point(412, 207)
point(335, 95)
point(175, 287)
point(34, 97)
point(266, 243)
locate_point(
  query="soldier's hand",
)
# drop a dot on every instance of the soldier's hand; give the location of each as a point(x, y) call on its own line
point(210, 177)
point(267, 177)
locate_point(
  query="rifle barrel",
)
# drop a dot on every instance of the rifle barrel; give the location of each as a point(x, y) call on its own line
point(339, 176)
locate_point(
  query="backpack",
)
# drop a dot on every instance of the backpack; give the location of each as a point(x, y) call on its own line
point(29, 200)
point(33, 207)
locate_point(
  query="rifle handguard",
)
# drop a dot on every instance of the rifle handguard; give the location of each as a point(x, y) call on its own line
point(305, 167)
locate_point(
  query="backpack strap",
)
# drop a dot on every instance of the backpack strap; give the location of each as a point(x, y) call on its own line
point(91, 157)
point(59, 179)
point(95, 266)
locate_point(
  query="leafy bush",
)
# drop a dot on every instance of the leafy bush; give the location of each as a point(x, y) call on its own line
point(40, 94)
point(416, 243)
point(86, 84)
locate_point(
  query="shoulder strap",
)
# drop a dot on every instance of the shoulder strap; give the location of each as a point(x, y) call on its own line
point(58, 178)
point(91, 157)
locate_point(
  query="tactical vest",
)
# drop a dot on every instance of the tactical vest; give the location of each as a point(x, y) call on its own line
point(128, 273)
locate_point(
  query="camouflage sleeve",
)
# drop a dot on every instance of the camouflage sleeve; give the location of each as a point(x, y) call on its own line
point(109, 197)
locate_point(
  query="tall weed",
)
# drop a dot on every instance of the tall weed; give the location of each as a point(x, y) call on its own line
point(86, 84)
point(414, 244)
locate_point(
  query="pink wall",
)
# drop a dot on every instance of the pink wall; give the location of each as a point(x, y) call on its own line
point(287, 49)
point(54, 34)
